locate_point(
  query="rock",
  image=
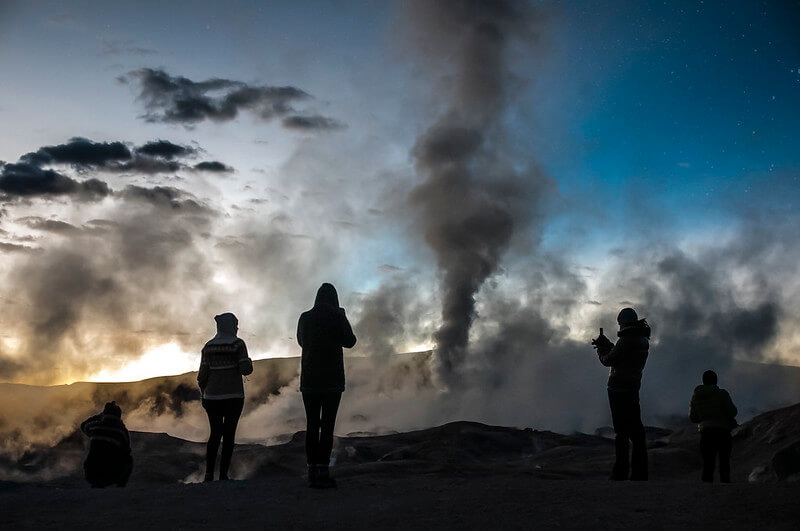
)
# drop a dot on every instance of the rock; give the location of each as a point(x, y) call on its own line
point(786, 462)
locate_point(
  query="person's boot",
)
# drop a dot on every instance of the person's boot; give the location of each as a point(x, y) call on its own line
point(325, 481)
point(313, 476)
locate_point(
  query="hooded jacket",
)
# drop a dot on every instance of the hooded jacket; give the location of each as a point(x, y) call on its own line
point(322, 331)
point(223, 361)
point(712, 407)
point(628, 357)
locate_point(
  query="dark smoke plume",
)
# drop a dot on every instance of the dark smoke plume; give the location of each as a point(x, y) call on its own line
point(471, 200)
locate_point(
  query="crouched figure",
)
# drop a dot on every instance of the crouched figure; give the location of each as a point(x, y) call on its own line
point(109, 461)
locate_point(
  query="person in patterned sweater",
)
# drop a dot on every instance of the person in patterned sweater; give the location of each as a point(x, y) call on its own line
point(109, 460)
point(223, 362)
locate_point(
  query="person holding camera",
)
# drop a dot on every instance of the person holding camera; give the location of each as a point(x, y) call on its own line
point(626, 359)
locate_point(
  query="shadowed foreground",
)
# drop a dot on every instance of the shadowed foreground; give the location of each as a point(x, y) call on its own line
point(463, 475)
point(408, 500)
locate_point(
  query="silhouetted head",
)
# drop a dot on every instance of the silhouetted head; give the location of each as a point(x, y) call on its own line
point(627, 317)
point(227, 324)
point(326, 294)
point(111, 408)
point(709, 378)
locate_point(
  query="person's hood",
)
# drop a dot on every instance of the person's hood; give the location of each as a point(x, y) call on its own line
point(639, 328)
point(226, 327)
point(326, 295)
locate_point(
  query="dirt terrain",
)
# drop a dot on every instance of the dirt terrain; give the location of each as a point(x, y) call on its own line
point(461, 475)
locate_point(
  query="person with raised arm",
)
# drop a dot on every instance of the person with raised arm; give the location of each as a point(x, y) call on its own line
point(322, 331)
point(626, 360)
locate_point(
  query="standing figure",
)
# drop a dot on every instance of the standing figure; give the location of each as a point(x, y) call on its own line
point(109, 461)
point(713, 410)
point(626, 359)
point(322, 331)
point(223, 362)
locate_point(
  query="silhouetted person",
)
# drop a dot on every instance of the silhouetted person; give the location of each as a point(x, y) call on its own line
point(224, 360)
point(322, 331)
point(626, 359)
point(713, 410)
point(109, 461)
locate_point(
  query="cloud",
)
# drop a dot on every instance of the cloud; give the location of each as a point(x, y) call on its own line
point(213, 166)
point(164, 197)
point(48, 225)
point(310, 123)
point(80, 152)
point(165, 149)
point(157, 156)
point(27, 180)
point(177, 99)
point(15, 248)
point(473, 199)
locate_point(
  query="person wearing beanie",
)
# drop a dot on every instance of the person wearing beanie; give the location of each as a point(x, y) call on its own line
point(322, 331)
point(713, 410)
point(626, 360)
point(223, 362)
point(109, 461)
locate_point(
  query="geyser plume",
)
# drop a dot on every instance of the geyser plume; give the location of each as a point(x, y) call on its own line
point(471, 200)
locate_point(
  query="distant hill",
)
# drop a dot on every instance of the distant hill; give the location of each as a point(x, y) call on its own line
point(383, 396)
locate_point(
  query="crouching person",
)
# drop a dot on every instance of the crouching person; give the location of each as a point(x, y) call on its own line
point(109, 461)
point(713, 410)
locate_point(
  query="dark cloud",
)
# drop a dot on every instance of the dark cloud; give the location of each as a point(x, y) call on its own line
point(28, 180)
point(213, 166)
point(49, 225)
point(14, 248)
point(176, 99)
point(79, 152)
point(165, 149)
point(471, 201)
point(158, 156)
point(311, 123)
point(163, 197)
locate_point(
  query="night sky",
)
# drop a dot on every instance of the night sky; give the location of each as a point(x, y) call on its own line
point(168, 161)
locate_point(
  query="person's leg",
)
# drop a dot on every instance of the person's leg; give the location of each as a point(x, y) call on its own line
point(313, 406)
point(639, 470)
point(725, 447)
point(616, 402)
point(708, 452)
point(215, 421)
point(232, 412)
point(330, 406)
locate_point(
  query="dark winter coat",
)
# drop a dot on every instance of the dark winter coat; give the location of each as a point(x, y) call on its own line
point(712, 407)
point(322, 331)
point(628, 357)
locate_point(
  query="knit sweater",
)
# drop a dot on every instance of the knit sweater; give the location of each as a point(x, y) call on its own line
point(108, 429)
point(222, 365)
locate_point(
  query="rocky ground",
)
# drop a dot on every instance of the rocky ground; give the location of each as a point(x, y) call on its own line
point(461, 475)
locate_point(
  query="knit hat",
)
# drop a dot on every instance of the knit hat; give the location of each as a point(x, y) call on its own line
point(111, 408)
point(627, 316)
